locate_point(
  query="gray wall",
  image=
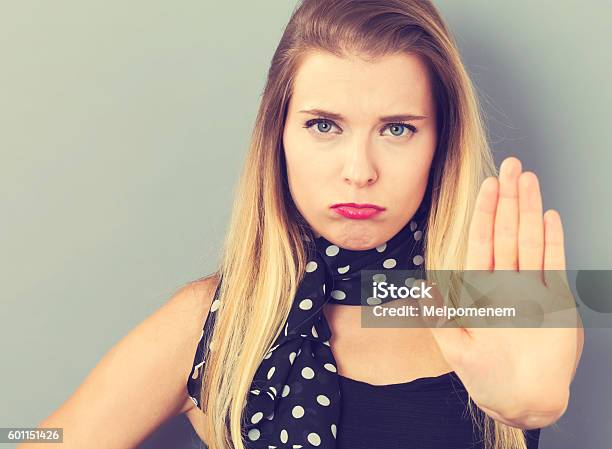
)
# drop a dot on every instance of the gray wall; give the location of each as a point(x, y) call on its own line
point(122, 128)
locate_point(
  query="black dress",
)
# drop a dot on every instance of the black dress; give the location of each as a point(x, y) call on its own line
point(426, 413)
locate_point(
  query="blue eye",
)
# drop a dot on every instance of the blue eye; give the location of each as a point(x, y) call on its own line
point(399, 128)
point(327, 124)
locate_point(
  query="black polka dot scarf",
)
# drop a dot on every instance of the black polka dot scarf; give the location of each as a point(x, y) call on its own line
point(294, 401)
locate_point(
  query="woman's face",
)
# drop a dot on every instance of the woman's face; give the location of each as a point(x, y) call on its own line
point(342, 145)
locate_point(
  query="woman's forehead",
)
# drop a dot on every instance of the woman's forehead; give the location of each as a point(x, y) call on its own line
point(389, 84)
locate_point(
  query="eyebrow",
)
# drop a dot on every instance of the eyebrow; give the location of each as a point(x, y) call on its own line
point(386, 118)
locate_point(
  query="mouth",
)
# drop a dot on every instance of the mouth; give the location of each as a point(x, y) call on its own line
point(357, 211)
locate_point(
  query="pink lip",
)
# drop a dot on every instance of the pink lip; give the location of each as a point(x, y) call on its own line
point(357, 211)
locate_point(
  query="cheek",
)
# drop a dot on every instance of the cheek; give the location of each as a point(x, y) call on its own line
point(406, 179)
point(301, 172)
point(295, 150)
point(305, 177)
point(305, 186)
point(306, 168)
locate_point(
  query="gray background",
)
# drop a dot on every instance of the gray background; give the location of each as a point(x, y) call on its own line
point(122, 129)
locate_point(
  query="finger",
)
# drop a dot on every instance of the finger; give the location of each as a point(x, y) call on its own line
point(452, 339)
point(505, 233)
point(531, 225)
point(554, 251)
point(480, 236)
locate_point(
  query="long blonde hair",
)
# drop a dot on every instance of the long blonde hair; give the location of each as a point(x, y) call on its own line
point(262, 256)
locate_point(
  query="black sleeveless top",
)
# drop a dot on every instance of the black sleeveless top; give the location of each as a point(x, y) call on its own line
point(425, 413)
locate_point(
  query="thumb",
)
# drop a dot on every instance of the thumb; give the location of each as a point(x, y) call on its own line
point(452, 339)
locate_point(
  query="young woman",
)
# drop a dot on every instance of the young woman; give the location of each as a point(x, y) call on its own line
point(368, 152)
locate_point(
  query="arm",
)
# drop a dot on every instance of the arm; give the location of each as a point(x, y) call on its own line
point(140, 382)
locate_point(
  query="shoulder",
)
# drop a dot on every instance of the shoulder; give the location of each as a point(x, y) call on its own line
point(195, 298)
point(149, 365)
point(181, 318)
point(192, 303)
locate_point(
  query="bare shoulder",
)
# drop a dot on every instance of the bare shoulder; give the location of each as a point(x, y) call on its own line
point(190, 304)
point(202, 294)
point(195, 300)
point(141, 381)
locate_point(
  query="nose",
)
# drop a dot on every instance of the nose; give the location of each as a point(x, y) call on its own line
point(359, 170)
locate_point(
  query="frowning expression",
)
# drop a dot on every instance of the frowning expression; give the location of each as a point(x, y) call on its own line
point(359, 132)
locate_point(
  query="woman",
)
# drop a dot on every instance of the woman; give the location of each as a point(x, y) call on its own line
point(368, 142)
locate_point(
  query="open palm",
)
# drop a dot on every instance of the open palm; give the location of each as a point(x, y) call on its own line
point(519, 376)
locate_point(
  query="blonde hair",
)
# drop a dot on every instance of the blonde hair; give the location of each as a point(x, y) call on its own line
point(262, 255)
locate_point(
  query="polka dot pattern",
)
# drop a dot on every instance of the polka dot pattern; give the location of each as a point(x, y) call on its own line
point(294, 400)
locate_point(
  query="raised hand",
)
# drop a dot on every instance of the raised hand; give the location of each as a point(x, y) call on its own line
point(517, 375)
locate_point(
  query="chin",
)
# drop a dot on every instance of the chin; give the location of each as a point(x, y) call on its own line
point(359, 235)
